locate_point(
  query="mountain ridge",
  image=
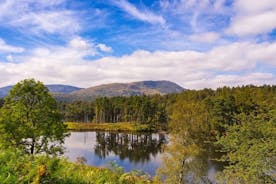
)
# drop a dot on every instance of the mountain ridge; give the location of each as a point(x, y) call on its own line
point(139, 88)
point(71, 93)
point(53, 88)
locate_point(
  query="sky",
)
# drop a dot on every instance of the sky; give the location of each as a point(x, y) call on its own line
point(194, 43)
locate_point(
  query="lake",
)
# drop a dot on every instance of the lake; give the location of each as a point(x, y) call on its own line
point(130, 151)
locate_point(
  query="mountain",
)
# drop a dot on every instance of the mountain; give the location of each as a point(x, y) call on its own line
point(65, 89)
point(4, 91)
point(124, 89)
point(53, 88)
point(71, 93)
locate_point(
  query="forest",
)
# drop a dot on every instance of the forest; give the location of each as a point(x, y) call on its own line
point(239, 122)
point(150, 110)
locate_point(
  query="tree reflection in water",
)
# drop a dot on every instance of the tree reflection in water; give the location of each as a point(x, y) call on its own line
point(135, 147)
point(189, 161)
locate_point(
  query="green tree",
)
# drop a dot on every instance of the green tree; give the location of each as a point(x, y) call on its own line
point(1, 102)
point(239, 121)
point(79, 111)
point(250, 149)
point(188, 126)
point(29, 119)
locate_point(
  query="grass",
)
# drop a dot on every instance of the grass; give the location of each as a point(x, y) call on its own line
point(119, 127)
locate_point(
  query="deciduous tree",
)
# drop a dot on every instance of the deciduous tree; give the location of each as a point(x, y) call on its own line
point(30, 120)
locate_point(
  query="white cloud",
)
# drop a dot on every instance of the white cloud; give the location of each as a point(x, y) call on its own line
point(253, 17)
point(145, 15)
point(76, 49)
point(181, 7)
point(80, 43)
point(60, 22)
point(251, 78)
point(233, 64)
point(196, 16)
point(215, 81)
point(251, 7)
point(4, 47)
point(49, 3)
point(46, 16)
point(207, 37)
point(104, 48)
point(88, 47)
point(9, 58)
point(254, 24)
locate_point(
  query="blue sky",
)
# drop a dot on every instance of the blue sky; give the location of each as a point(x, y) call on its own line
point(195, 43)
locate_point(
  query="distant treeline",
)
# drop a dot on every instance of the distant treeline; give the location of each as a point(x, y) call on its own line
point(140, 109)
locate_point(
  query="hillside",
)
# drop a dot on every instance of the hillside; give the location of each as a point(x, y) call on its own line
point(53, 88)
point(57, 88)
point(71, 93)
point(129, 89)
point(4, 91)
point(123, 89)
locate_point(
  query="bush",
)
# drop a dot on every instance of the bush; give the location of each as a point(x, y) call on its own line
point(16, 167)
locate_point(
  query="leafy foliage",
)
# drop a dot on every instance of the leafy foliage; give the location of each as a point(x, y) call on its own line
point(17, 167)
point(251, 150)
point(30, 120)
point(1, 102)
point(240, 122)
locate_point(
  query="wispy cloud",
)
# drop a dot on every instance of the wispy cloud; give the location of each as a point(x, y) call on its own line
point(143, 15)
point(4, 47)
point(208, 37)
point(195, 13)
point(53, 22)
point(39, 17)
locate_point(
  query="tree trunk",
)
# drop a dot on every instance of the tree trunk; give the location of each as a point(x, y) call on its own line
point(32, 146)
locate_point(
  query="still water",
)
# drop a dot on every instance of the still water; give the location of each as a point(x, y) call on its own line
point(132, 152)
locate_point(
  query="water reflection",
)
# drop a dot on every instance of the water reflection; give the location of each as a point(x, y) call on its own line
point(137, 148)
point(189, 161)
point(131, 151)
point(195, 162)
point(202, 167)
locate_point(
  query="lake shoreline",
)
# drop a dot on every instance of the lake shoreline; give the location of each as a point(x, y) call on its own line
point(111, 127)
point(130, 151)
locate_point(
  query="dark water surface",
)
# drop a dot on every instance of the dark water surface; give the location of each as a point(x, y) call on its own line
point(132, 152)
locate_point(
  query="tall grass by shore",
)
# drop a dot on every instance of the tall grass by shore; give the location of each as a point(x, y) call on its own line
point(119, 127)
